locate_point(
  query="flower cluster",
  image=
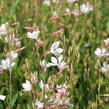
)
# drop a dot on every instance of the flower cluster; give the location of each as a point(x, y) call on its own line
point(103, 53)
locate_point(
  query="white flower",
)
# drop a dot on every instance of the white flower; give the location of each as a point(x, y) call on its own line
point(13, 40)
point(2, 97)
point(43, 63)
point(58, 100)
point(3, 30)
point(58, 62)
point(67, 102)
point(41, 84)
point(12, 55)
point(17, 42)
point(54, 48)
point(39, 105)
point(85, 8)
point(72, 1)
point(105, 67)
point(76, 12)
point(67, 10)
point(101, 52)
point(61, 89)
point(106, 42)
point(34, 34)
point(47, 2)
point(6, 64)
point(27, 86)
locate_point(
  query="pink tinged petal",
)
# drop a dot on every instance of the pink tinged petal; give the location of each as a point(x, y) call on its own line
point(54, 18)
point(47, 52)
point(41, 43)
point(1, 71)
point(3, 31)
point(54, 60)
point(60, 71)
point(57, 32)
point(61, 24)
point(30, 28)
point(39, 104)
point(106, 42)
point(20, 49)
point(90, 6)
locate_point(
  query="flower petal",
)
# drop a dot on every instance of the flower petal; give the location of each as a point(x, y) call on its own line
point(53, 60)
point(55, 45)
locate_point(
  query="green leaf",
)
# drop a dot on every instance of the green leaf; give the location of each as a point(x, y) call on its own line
point(106, 107)
point(13, 100)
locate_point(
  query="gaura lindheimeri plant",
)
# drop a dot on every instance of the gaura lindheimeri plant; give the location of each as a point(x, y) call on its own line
point(3, 29)
point(101, 52)
point(34, 35)
point(12, 55)
point(41, 84)
point(43, 65)
point(61, 89)
point(47, 2)
point(58, 100)
point(106, 42)
point(71, 1)
point(6, 64)
point(13, 40)
point(105, 67)
point(27, 86)
point(59, 62)
point(54, 49)
point(76, 12)
point(2, 97)
point(86, 8)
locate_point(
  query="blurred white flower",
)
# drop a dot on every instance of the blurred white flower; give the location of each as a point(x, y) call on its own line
point(43, 65)
point(47, 2)
point(3, 29)
point(58, 100)
point(54, 48)
point(67, 102)
point(12, 55)
point(72, 1)
point(13, 40)
point(85, 8)
point(61, 89)
point(106, 42)
point(76, 12)
point(2, 97)
point(27, 86)
point(41, 84)
point(39, 104)
point(105, 67)
point(67, 10)
point(101, 52)
point(34, 34)
point(6, 64)
point(46, 96)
